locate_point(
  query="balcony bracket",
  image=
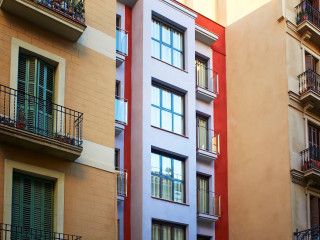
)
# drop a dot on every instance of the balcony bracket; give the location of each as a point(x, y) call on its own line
point(306, 36)
point(308, 106)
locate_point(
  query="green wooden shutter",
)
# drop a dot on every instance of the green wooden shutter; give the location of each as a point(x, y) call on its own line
point(45, 94)
point(32, 204)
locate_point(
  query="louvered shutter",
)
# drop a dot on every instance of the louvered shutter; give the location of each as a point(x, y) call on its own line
point(310, 62)
point(27, 81)
point(45, 95)
point(314, 211)
point(32, 205)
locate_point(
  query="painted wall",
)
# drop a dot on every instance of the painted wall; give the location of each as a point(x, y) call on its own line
point(258, 137)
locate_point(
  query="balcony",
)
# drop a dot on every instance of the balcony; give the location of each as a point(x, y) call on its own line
point(208, 144)
point(309, 234)
point(16, 233)
point(308, 21)
point(310, 163)
point(122, 178)
point(309, 90)
point(121, 110)
point(63, 17)
point(207, 83)
point(121, 46)
point(36, 124)
point(208, 205)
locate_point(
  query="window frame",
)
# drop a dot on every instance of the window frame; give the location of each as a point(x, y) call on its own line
point(173, 180)
point(160, 107)
point(171, 225)
point(172, 28)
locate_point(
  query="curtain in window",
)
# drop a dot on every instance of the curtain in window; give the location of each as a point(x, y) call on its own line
point(166, 120)
point(166, 233)
point(155, 232)
point(203, 195)
point(178, 234)
point(202, 77)
point(203, 135)
point(166, 189)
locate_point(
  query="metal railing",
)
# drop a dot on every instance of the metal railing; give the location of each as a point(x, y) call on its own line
point(305, 11)
point(310, 158)
point(121, 110)
point(206, 78)
point(309, 234)
point(208, 140)
point(72, 9)
point(208, 203)
point(309, 80)
point(32, 114)
point(122, 180)
point(11, 232)
point(122, 41)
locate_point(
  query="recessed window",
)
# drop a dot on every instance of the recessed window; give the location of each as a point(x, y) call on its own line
point(167, 43)
point(166, 231)
point(167, 178)
point(167, 110)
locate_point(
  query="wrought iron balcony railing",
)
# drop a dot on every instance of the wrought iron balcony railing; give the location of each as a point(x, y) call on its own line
point(206, 78)
point(122, 41)
point(121, 110)
point(72, 9)
point(310, 158)
point(309, 234)
point(305, 11)
point(208, 203)
point(122, 179)
point(11, 232)
point(309, 80)
point(44, 118)
point(208, 140)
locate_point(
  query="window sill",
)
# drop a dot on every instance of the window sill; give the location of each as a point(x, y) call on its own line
point(170, 64)
point(170, 132)
point(185, 204)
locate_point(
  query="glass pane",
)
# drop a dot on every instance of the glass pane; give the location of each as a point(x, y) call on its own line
point(166, 121)
point(166, 35)
point(177, 59)
point(155, 30)
point(155, 116)
point(178, 169)
point(155, 163)
point(166, 233)
point(155, 186)
point(155, 46)
point(203, 138)
point(177, 40)
point(166, 166)
point(155, 232)
point(165, 54)
point(155, 96)
point(166, 99)
point(178, 191)
point(166, 189)
point(178, 234)
point(178, 124)
point(177, 104)
point(203, 201)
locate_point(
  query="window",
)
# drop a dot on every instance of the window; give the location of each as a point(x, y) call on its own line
point(167, 43)
point(167, 110)
point(203, 135)
point(117, 158)
point(203, 193)
point(36, 94)
point(314, 211)
point(166, 231)
point(203, 238)
point(32, 203)
point(167, 178)
point(202, 73)
point(117, 90)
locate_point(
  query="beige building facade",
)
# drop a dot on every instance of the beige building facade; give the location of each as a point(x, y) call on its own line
point(57, 71)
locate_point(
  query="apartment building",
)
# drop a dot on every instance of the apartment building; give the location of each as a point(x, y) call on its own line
point(273, 118)
point(57, 71)
point(170, 125)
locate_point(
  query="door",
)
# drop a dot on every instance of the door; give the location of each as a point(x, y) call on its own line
point(203, 136)
point(35, 95)
point(203, 194)
point(202, 73)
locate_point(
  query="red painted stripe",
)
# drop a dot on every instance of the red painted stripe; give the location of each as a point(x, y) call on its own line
point(127, 131)
point(220, 124)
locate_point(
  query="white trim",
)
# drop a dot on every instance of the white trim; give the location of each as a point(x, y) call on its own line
point(180, 8)
point(59, 177)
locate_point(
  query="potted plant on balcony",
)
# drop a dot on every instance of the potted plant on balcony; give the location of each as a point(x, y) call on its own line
point(304, 15)
point(79, 10)
point(20, 119)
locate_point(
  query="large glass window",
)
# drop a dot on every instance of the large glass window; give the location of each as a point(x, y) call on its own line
point(167, 110)
point(166, 231)
point(167, 44)
point(167, 178)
